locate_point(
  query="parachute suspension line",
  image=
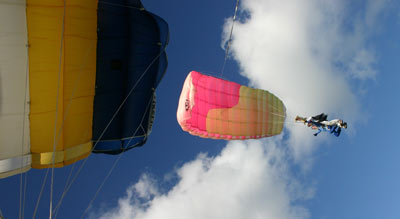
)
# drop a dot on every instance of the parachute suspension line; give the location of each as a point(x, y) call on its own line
point(20, 194)
point(277, 114)
point(40, 193)
point(76, 82)
point(275, 108)
point(119, 5)
point(141, 128)
point(66, 184)
point(55, 212)
point(230, 38)
point(109, 123)
point(119, 156)
point(102, 183)
point(23, 203)
point(69, 176)
point(21, 211)
point(56, 114)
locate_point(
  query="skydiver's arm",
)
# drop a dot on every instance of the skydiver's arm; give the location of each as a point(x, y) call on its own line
point(319, 131)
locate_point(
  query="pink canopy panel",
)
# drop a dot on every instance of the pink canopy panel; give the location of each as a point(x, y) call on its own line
point(215, 108)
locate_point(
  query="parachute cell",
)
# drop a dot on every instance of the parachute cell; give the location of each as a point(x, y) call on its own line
point(72, 80)
point(14, 123)
point(131, 62)
point(215, 108)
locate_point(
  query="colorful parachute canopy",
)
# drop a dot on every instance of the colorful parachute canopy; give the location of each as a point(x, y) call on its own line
point(47, 94)
point(31, 64)
point(210, 107)
point(131, 47)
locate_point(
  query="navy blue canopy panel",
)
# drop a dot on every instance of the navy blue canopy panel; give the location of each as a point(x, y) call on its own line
point(131, 61)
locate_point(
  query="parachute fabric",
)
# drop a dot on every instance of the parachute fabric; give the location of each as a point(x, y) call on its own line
point(210, 107)
point(14, 123)
point(71, 81)
point(131, 62)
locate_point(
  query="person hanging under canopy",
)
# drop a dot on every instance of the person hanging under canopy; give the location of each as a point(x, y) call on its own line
point(321, 123)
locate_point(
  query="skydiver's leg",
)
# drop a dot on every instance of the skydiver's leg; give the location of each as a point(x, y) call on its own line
point(334, 130)
point(338, 132)
point(300, 119)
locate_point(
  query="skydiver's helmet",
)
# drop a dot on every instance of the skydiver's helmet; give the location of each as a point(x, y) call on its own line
point(342, 124)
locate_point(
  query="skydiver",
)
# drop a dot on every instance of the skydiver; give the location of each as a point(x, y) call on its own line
point(321, 123)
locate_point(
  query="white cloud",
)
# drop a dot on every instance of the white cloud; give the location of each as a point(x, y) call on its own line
point(244, 181)
point(373, 10)
point(146, 187)
point(306, 52)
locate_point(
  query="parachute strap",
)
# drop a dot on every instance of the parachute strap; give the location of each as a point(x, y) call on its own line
point(15, 165)
point(61, 158)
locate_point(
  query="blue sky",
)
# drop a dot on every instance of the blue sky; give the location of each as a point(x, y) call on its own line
point(341, 58)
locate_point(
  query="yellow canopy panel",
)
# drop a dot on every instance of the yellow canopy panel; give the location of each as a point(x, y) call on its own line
point(62, 68)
